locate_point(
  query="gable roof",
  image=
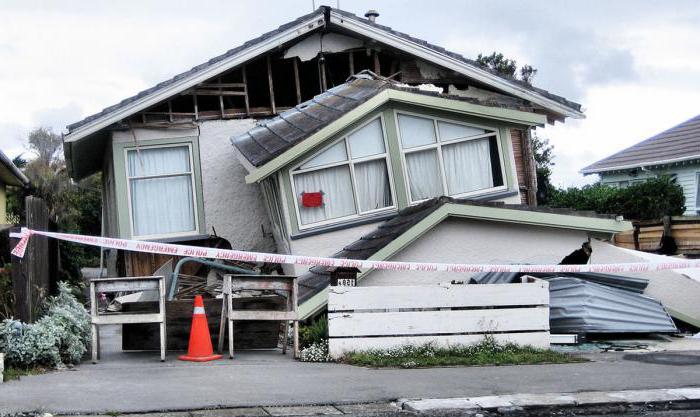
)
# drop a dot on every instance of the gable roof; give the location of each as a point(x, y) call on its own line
point(10, 174)
point(324, 16)
point(273, 137)
point(677, 144)
point(377, 244)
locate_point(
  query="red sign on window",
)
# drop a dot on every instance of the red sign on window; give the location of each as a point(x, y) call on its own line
point(312, 199)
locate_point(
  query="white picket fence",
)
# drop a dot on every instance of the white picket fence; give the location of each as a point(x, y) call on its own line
point(362, 318)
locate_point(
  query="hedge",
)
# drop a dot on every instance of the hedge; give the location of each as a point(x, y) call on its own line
point(648, 200)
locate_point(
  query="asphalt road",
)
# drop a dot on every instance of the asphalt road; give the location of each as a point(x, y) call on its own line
point(139, 382)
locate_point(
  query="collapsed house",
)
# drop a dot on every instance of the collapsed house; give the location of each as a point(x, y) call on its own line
point(328, 130)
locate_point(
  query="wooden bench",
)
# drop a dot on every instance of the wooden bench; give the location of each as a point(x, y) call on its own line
point(277, 283)
point(113, 285)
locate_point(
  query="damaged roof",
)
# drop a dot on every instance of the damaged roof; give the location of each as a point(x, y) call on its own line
point(318, 278)
point(324, 16)
point(272, 137)
point(677, 144)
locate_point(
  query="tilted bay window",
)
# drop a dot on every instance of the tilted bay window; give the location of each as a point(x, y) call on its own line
point(162, 200)
point(447, 158)
point(347, 179)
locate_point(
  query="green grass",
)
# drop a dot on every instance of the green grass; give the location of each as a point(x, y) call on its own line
point(13, 373)
point(486, 353)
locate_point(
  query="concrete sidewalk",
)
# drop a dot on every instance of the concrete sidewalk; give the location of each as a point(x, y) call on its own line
point(139, 382)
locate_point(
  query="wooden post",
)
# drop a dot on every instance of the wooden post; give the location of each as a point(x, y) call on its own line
point(377, 68)
point(31, 275)
point(351, 62)
point(272, 90)
point(297, 86)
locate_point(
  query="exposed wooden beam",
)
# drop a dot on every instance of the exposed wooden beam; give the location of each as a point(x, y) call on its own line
point(322, 73)
point(351, 62)
point(297, 85)
point(196, 107)
point(269, 81)
point(221, 99)
point(245, 85)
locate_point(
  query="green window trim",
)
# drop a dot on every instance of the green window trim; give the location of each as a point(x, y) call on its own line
point(119, 150)
point(388, 113)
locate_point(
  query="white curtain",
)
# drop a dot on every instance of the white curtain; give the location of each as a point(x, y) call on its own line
point(338, 197)
point(423, 174)
point(159, 161)
point(161, 205)
point(373, 190)
point(467, 166)
point(416, 131)
point(367, 141)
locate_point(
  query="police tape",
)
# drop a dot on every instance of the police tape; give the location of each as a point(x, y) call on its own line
point(244, 256)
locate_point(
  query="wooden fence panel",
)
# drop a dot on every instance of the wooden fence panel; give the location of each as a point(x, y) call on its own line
point(437, 296)
point(361, 318)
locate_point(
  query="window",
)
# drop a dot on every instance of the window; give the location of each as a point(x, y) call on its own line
point(161, 191)
point(352, 176)
point(447, 158)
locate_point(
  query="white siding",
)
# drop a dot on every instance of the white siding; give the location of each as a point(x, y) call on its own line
point(686, 176)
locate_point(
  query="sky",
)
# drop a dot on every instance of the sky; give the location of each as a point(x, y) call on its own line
point(633, 65)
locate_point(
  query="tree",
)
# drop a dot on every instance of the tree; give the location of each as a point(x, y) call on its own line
point(73, 207)
point(506, 67)
point(544, 161)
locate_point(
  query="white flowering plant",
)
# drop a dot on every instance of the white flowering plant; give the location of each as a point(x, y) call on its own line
point(58, 338)
point(315, 352)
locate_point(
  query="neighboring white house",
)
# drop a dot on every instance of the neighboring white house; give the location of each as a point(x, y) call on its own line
point(674, 152)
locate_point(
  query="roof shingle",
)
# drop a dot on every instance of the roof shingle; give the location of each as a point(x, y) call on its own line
point(679, 143)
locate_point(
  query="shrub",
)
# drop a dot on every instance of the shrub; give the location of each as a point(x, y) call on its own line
point(648, 200)
point(314, 333)
point(59, 337)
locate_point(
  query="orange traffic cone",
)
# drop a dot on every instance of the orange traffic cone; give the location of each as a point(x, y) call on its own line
point(200, 349)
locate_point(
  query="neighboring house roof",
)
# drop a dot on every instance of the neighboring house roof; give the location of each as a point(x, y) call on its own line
point(322, 17)
point(274, 136)
point(10, 174)
point(274, 142)
point(677, 144)
point(391, 236)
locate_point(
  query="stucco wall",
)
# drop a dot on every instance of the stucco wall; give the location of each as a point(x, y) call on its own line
point(473, 241)
point(235, 209)
point(686, 177)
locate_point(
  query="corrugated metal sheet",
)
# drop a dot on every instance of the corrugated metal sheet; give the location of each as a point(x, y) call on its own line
point(578, 306)
point(616, 281)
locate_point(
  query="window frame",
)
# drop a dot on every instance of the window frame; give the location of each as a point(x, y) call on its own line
point(438, 145)
point(191, 173)
point(350, 162)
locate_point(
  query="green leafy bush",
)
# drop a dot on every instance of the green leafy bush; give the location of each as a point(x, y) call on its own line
point(59, 337)
point(314, 333)
point(648, 200)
